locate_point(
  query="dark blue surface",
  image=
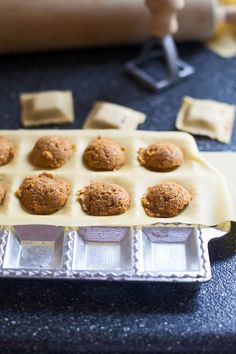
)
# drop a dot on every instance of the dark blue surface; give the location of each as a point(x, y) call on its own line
point(72, 316)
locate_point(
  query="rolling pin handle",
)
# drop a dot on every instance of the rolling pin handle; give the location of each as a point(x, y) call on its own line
point(226, 14)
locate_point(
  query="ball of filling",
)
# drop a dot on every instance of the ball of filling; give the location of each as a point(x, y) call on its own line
point(2, 193)
point(43, 194)
point(51, 152)
point(7, 150)
point(104, 199)
point(161, 157)
point(104, 155)
point(165, 200)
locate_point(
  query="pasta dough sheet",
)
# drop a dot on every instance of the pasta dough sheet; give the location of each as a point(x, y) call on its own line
point(211, 200)
point(224, 162)
point(223, 42)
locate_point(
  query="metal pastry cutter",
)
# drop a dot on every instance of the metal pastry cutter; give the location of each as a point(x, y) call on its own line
point(160, 49)
point(163, 23)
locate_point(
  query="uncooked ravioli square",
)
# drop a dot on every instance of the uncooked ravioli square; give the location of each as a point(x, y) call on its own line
point(49, 107)
point(206, 117)
point(105, 115)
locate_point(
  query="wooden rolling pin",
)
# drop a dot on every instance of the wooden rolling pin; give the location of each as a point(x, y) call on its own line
point(27, 25)
point(32, 25)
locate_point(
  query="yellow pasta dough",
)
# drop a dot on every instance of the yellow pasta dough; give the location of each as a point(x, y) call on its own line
point(211, 202)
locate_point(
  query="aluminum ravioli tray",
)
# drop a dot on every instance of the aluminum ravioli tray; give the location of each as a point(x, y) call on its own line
point(97, 248)
point(160, 253)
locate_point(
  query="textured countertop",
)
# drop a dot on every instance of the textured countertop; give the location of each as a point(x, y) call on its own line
point(72, 316)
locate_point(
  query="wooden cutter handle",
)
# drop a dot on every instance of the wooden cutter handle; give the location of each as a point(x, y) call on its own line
point(163, 19)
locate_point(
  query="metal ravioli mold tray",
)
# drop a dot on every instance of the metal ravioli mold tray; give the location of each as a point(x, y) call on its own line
point(158, 253)
point(71, 244)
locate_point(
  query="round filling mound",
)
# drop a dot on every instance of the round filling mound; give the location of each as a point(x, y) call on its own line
point(165, 200)
point(104, 155)
point(161, 157)
point(43, 194)
point(7, 151)
point(2, 193)
point(51, 152)
point(104, 199)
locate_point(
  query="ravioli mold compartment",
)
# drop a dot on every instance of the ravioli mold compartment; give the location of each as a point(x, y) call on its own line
point(157, 253)
point(133, 246)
